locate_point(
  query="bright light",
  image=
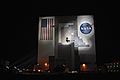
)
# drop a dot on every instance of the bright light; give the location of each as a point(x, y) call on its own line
point(46, 64)
point(39, 70)
point(64, 65)
point(15, 67)
point(86, 43)
point(83, 65)
point(48, 71)
point(23, 69)
point(80, 37)
point(7, 67)
point(74, 72)
point(72, 33)
point(20, 70)
point(33, 69)
point(65, 43)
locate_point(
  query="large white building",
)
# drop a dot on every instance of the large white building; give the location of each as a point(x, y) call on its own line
point(70, 39)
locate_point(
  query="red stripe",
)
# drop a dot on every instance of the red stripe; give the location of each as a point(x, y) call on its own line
point(51, 29)
point(47, 32)
point(48, 28)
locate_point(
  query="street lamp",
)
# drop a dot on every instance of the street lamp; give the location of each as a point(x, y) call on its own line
point(83, 65)
point(46, 64)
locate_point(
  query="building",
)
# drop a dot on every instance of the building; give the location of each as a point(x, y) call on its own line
point(51, 63)
point(65, 55)
point(70, 39)
point(113, 66)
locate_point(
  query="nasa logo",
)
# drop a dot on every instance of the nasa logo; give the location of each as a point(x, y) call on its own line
point(85, 28)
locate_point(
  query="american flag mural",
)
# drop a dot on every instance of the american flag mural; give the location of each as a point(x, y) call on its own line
point(46, 28)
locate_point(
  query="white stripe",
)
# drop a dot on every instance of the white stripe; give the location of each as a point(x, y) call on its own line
point(45, 33)
point(49, 29)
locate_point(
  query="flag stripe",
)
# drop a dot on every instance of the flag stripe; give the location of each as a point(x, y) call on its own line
point(51, 28)
point(47, 28)
point(47, 31)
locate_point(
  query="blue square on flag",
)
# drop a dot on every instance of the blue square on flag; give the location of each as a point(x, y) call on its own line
point(44, 23)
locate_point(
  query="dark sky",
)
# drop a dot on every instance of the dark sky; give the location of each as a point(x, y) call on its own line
point(20, 26)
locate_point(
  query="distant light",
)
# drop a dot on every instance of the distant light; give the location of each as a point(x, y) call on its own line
point(20, 70)
point(64, 65)
point(72, 33)
point(23, 68)
point(74, 72)
point(46, 64)
point(37, 64)
point(15, 67)
point(83, 65)
point(86, 43)
point(65, 43)
point(39, 70)
point(80, 37)
point(27, 69)
point(111, 70)
point(48, 71)
point(33, 69)
point(7, 67)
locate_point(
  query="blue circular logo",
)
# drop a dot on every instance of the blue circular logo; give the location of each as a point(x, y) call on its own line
point(85, 28)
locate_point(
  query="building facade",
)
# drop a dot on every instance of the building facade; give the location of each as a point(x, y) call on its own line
point(70, 39)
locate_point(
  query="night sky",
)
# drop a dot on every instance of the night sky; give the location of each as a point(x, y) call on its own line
point(20, 28)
